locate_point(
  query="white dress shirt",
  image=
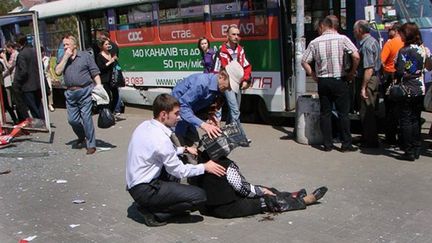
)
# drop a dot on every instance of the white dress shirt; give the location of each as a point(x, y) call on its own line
point(149, 150)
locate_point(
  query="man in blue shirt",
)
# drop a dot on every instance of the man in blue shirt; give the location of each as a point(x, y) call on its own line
point(196, 93)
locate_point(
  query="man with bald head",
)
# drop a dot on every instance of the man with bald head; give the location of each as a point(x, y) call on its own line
point(367, 82)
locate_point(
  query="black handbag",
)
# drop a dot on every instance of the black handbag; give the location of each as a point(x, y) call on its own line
point(397, 92)
point(231, 137)
point(106, 118)
point(117, 77)
point(347, 60)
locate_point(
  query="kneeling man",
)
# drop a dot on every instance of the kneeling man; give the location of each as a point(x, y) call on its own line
point(153, 158)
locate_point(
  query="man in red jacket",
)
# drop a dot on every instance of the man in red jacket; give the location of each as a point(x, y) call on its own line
point(229, 51)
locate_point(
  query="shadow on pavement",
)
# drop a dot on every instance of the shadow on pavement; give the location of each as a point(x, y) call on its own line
point(289, 135)
point(135, 215)
point(99, 143)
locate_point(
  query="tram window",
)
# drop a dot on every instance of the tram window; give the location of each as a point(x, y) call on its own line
point(135, 17)
point(181, 20)
point(191, 8)
point(249, 15)
point(168, 12)
point(135, 24)
point(221, 7)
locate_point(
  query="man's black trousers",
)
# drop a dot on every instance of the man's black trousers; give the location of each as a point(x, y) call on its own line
point(165, 199)
point(334, 91)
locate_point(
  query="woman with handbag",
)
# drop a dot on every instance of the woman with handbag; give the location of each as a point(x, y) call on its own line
point(106, 62)
point(412, 59)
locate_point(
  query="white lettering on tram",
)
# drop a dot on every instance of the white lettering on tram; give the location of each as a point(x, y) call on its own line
point(247, 29)
point(155, 52)
point(135, 36)
point(181, 34)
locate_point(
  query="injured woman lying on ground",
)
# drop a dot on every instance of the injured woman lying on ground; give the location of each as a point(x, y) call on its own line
point(232, 196)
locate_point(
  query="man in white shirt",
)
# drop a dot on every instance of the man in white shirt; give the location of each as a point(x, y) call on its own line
point(151, 155)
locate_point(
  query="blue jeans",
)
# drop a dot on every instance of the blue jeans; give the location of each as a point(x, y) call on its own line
point(79, 110)
point(233, 102)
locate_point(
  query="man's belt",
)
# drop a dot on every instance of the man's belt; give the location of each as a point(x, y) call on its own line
point(77, 87)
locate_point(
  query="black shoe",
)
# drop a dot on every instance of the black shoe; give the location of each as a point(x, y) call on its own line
point(327, 148)
point(299, 194)
point(245, 143)
point(149, 218)
point(348, 149)
point(79, 144)
point(417, 153)
point(320, 192)
point(408, 157)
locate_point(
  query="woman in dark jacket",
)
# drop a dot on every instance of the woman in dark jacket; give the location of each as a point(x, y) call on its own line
point(106, 61)
point(410, 63)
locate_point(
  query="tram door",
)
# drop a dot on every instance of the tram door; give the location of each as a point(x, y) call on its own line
point(92, 23)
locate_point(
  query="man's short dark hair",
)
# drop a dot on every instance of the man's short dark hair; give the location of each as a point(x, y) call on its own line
point(164, 102)
point(21, 40)
point(396, 26)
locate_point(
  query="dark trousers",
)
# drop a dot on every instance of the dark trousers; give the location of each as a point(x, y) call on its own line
point(334, 90)
point(165, 198)
point(18, 100)
point(241, 207)
point(409, 121)
point(368, 113)
point(391, 117)
point(113, 93)
point(33, 100)
point(8, 106)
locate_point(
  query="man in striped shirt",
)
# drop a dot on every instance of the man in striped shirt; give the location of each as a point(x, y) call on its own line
point(327, 52)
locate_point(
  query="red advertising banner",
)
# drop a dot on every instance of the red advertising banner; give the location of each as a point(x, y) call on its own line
point(135, 36)
point(180, 31)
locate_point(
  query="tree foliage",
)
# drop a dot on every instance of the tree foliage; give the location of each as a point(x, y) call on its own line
point(8, 5)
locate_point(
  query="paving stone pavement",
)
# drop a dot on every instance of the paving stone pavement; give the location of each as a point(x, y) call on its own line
point(372, 196)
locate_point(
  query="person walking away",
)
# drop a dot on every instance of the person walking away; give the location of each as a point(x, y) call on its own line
point(411, 60)
point(327, 53)
point(388, 57)
point(153, 157)
point(27, 81)
point(80, 73)
point(230, 51)
point(367, 79)
point(207, 54)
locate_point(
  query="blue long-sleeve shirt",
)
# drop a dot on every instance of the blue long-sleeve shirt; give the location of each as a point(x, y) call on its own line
point(196, 92)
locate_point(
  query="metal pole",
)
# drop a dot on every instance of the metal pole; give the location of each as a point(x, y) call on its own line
point(41, 70)
point(300, 43)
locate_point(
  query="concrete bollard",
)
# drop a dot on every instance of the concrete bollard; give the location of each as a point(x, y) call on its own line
point(308, 120)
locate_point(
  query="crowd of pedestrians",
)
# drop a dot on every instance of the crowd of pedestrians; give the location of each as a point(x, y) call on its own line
point(373, 74)
point(349, 78)
point(20, 83)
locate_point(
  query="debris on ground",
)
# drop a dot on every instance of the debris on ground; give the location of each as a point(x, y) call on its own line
point(5, 172)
